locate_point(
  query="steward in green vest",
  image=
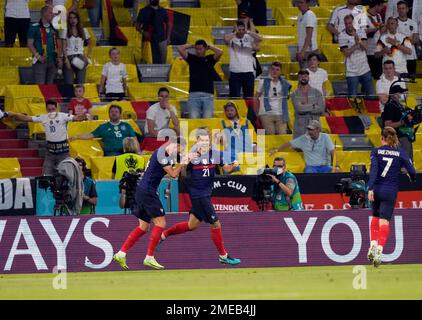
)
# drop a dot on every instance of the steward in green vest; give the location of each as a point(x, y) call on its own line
point(130, 160)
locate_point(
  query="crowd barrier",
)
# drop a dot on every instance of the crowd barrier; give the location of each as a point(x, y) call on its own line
point(259, 239)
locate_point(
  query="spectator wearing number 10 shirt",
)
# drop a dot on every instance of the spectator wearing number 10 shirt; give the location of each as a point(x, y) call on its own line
point(112, 133)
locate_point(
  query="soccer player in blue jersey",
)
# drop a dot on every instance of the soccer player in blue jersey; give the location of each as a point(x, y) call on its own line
point(386, 164)
point(200, 174)
point(148, 205)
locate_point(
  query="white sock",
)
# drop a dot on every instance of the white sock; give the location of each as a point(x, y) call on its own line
point(374, 243)
point(224, 257)
point(147, 257)
point(121, 253)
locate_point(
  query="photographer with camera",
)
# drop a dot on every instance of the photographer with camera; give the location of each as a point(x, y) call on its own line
point(127, 189)
point(285, 194)
point(90, 191)
point(399, 117)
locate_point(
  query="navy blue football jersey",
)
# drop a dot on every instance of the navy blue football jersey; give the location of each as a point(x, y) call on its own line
point(154, 171)
point(201, 172)
point(386, 163)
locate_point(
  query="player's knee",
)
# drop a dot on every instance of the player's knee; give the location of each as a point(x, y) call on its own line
point(216, 225)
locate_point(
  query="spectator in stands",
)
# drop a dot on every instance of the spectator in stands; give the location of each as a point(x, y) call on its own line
point(90, 191)
point(245, 17)
point(111, 133)
point(74, 6)
point(271, 101)
point(384, 83)
point(392, 10)
point(317, 147)
point(353, 44)
point(45, 48)
point(393, 117)
point(16, 22)
point(394, 45)
point(257, 9)
point(201, 78)
point(318, 77)
point(55, 126)
point(307, 32)
point(114, 77)
point(242, 44)
point(409, 28)
point(80, 105)
point(308, 103)
point(129, 160)
point(374, 28)
point(153, 23)
point(74, 39)
point(336, 23)
point(238, 134)
point(160, 114)
point(285, 193)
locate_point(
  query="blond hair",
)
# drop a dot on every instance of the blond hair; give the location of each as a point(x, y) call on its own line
point(390, 136)
point(131, 145)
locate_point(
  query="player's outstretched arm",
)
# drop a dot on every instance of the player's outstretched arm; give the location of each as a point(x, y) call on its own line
point(20, 117)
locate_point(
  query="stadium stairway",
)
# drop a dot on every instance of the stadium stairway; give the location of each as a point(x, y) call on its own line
point(12, 146)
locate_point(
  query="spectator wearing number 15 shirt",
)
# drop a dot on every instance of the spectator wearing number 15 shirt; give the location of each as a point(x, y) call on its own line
point(111, 133)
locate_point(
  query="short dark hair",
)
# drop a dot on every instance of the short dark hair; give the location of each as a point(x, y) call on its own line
point(51, 102)
point(349, 16)
point(402, 2)
point(313, 54)
point(163, 89)
point(303, 71)
point(201, 42)
point(79, 86)
point(115, 106)
point(392, 18)
point(112, 49)
point(240, 24)
point(276, 64)
point(279, 159)
point(389, 62)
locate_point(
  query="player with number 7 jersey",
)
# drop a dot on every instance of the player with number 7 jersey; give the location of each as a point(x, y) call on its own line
point(199, 178)
point(386, 164)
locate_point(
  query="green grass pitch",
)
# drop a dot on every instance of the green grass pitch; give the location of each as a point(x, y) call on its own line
point(387, 282)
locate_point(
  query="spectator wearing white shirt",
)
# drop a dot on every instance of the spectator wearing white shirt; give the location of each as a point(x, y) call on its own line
point(409, 28)
point(74, 38)
point(160, 114)
point(271, 101)
point(307, 31)
point(55, 126)
point(353, 44)
point(113, 77)
point(374, 28)
point(384, 83)
point(318, 77)
point(394, 45)
point(16, 22)
point(393, 12)
point(336, 23)
point(242, 44)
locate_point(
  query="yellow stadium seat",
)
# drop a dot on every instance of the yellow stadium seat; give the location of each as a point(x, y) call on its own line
point(274, 141)
point(91, 92)
point(200, 32)
point(17, 97)
point(133, 36)
point(278, 34)
point(86, 149)
point(101, 167)
point(93, 73)
point(250, 163)
point(9, 76)
point(294, 160)
point(10, 168)
point(100, 55)
point(332, 52)
point(271, 53)
point(288, 15)
point(338, 144)
point(148, 90)
point(345, 159)
point(217, 4)
point(16, 57)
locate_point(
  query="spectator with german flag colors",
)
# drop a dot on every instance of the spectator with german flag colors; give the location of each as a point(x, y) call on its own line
point(45, 48)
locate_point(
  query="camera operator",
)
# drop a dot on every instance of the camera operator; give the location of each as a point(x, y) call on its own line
point(55, 125)
point(127, 188)
point(90, 191)
point(285, 191)
point(394, 116)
